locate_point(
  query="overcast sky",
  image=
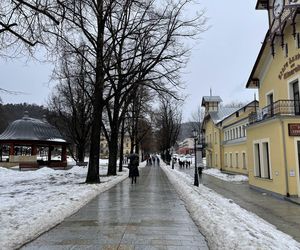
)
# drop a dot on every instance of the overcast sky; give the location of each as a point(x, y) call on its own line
point(222, 60)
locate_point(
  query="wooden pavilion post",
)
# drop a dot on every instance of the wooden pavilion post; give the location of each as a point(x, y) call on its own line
point(33, 150)
point(11, 151)
point(63, 153)
point(49, 154)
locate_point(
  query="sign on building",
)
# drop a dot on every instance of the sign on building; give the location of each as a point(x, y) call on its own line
point(294, 129)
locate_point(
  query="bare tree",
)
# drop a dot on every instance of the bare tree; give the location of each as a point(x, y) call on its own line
point(196, 119)
point(168, 123)
point(23, 20)
point(72, 103)
point(146, 45)
point(127, 42)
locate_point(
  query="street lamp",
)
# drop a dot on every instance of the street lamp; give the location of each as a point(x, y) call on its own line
point(196, 180)
point(172, 158)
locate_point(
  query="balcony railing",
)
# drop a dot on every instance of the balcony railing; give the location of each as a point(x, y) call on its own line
point(278, 108)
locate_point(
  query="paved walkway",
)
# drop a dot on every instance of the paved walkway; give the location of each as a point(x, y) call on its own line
point(146, 215)
point(281, 213)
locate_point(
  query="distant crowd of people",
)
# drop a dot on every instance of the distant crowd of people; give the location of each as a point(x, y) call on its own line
point(152, 160)
point(183, 163)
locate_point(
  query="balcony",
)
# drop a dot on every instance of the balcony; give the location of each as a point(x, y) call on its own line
point(278, 108)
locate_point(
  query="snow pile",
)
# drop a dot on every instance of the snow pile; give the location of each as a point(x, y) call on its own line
point(225, 177)
point(31, 202)
point(225, 224)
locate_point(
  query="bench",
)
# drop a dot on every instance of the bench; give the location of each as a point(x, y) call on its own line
point(28, 165)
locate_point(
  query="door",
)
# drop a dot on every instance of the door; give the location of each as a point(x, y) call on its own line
point(296, 98)
point(298, 153)
point(271, 104)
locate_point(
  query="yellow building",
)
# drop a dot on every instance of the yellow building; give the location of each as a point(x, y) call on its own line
point(104, 151)
point(225, 134)
point(273, 135)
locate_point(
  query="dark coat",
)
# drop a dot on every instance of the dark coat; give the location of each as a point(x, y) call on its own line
point(133, 171)
point(133, 165)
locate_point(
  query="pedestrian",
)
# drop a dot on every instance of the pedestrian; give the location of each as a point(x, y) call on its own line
point(157, 160)
point(133, 167)
point(153, 160)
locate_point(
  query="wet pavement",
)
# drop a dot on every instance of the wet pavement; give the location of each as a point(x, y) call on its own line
point(146, 215)
point(285, 215)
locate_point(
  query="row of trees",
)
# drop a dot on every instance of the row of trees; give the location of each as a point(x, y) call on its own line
point(112, 58)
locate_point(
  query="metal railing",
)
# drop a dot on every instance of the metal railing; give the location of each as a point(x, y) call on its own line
point(278, 108)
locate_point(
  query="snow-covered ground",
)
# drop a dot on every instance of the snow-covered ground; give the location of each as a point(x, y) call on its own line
point(225, 177)
point(225, 224)
point(31, 202)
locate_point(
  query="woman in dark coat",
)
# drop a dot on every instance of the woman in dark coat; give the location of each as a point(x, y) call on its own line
point(133, 168)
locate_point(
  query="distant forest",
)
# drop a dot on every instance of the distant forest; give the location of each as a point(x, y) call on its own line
point(12, 112)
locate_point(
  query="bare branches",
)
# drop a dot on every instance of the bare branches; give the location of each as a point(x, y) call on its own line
point(24, 20)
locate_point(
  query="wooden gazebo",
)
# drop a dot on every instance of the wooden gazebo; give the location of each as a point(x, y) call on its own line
point(32, 143)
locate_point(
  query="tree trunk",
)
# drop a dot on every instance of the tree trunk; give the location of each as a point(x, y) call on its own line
point(93, 170)
point(80, 152)
point(113, 153)
point(122, 146)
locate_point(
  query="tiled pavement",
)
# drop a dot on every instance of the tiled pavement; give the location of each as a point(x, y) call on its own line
point(146, 215)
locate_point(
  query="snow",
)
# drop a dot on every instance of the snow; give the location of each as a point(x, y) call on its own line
point(225, 177)
point(225, 224)
point(32, 202)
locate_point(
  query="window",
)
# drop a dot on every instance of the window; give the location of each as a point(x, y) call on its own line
point(230, 155)
point(240, 131)
point(216, 160)
point(244, 161)
point(262, 160)
point(215, 137)
point(266, 161)
point(237, 160)
point(257, 170)
point(225, 160)
point(286, 50)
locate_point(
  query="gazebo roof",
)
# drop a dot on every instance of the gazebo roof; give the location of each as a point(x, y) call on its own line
point(30, 129)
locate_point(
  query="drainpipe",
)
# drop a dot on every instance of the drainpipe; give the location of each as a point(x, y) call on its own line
point(221, 148)
point(285, 160)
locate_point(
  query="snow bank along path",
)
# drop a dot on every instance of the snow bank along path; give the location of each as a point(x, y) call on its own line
point(225, 177)
point(225, 224)
point(32, 202)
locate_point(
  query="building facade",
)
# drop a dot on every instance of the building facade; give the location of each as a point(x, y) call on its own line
point(186, 146)
point(104, 150)
point(225, 134)
point(273, 134)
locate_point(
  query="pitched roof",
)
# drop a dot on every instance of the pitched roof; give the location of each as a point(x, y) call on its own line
point(223, 112)
point(210, 99)
point(31, 129)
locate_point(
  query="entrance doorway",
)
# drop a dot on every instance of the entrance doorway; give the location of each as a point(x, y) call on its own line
point(296, 97)
point(298, 157)
point(270, 100)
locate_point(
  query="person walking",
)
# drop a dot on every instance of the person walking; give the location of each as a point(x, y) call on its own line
point(133, 167)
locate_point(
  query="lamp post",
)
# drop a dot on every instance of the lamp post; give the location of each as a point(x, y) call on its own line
point(172, 158)
point(196, 180)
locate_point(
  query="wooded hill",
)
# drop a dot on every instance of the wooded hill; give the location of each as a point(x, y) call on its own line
point(12, 112)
